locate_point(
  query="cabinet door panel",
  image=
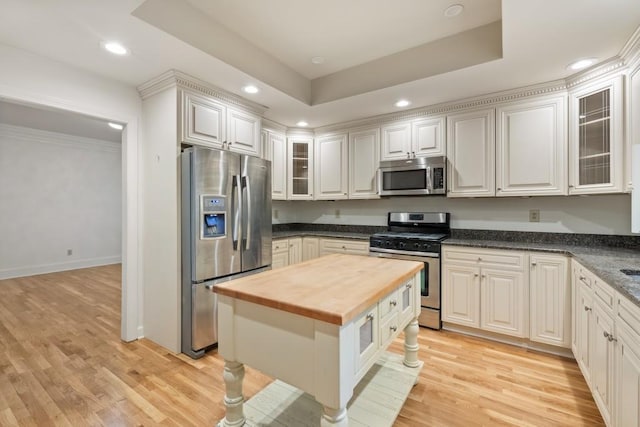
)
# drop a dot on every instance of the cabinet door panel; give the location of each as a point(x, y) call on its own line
point(310, 248)
point(243, 132)
point(532, 148)
point(503, 297)
point(364, 149)
point(331, 167)
point(278, 148)
point(584, 329)
point(203, 120)
point(602, 353)
point(471, 154)
point(550, 300)
point(300, 168)
point(461, 295)
point(427, 137)
point(367, 339)
point(628, 379)
point(295, 250)
point(396, 141)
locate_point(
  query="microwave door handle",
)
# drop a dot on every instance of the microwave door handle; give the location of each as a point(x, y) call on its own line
point(246, 206)
point(235, 210)
point(430, 172)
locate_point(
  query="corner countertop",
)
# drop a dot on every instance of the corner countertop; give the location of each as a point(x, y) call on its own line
point(605, 262)
point(334, 288)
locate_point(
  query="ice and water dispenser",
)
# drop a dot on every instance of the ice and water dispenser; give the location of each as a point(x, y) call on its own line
point(213, 217)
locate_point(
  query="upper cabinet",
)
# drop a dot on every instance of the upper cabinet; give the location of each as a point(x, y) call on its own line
point(471, 154)
point(531, 148)
point(330, 167)
point(364, 149)
point(243, 132)
point(208, 122)
point(275, 149)
point(419, 138)
point(300, 168)
point(596, 139)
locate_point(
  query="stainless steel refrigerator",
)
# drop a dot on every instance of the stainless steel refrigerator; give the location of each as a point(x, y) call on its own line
point(226, 233)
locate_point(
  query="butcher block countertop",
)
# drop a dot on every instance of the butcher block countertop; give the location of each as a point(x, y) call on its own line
point(334, 288)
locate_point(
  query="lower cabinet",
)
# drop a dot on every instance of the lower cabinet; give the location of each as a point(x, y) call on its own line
point(607, 347)
point(310, 248)
point(486, 289)
point(285, 252)
point(343, 246)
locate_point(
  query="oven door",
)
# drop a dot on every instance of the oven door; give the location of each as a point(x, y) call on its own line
point(430, 277)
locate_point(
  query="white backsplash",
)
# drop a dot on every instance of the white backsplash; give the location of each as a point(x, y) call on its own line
point(602, 214)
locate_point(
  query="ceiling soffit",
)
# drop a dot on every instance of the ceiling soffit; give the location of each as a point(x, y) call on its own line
point(187, 23)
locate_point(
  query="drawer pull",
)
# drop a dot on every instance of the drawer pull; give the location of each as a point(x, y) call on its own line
point(587, 308)
point(475, 275)
point(533, 264)
point(393, 303)
point(369, 316)
point(479, 259)
point(393, 328)
point(409, 285)
point(609, 336)
point(583, 278)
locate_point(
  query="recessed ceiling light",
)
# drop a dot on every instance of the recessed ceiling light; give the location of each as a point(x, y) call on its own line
point(250, 89)
point(115, 48)
point(402, 103)
point(453, 10)
point(583, 63)
point(317, 60)
point(116, 126)
point(302, 123)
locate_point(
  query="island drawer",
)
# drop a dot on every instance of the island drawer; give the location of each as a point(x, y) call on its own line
point(388, 305)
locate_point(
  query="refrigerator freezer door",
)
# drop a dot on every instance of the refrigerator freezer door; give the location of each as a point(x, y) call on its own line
point(215, 187)
point(203, 316)
point(256, 209)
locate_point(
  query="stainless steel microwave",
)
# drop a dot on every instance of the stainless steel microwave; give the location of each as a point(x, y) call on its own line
point(413, 177)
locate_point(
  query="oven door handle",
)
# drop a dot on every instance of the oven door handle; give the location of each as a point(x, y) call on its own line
point(396, 255)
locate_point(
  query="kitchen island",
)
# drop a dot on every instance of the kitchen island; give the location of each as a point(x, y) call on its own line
point(318, 326)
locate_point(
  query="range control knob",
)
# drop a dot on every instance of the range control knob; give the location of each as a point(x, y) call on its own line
point(388, 243)
point(402, 245)
point(416, 245)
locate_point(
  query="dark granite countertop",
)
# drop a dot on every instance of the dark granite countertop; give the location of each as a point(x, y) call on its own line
point(603, 261)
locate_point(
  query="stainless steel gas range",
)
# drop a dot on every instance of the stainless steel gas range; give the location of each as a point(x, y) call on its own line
point(417, 236)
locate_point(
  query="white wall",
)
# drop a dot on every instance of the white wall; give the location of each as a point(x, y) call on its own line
point(34, 79)
point(605, 214)
point(58, 192)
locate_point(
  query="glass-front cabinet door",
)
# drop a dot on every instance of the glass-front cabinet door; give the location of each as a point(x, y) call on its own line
point(597, 139)
point(300, 169)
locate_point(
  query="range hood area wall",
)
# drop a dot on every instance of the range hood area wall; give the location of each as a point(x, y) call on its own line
point(598, 214)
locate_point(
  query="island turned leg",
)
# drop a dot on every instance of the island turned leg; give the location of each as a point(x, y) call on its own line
point(334, 417)
point(233, 399)
point(411, 344)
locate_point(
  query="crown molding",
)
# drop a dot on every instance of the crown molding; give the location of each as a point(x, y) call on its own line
point(270, 125)
point(603, 69)
point(549, 88)
point(178, 79)
point(19, 133)
point(630, 52)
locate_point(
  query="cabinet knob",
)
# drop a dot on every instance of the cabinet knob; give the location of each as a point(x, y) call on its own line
point(369, 316)
point(533, 264)
point(344, 247)
point(582, 278)
point(408, 155)
point(479, 259)
point(393, 303)
point(609, 336)
point(475, 275)
point(409, 285)
point(228, 143)
point(393, 328)
point(586, 308)
point(208, 287)
point(413, 154)
point(570, 186)
point(483, 276)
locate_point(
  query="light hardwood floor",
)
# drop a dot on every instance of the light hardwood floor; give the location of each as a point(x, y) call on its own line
point(62, 363)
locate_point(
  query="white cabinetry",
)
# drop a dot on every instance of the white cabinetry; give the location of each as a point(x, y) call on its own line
point(275, 149)
point(343, 246)
point(310, 248)
point(486, 289)
point(331, 163)
point(300, 168)
point(471, 154)
point(419, 138)
point(286, 252)
point(596, 138)
point(364, 160)
point(531, 148)
point(396, 141)
point(602, 359)
point(627, 410)
point(209, 122)
point(550, 300)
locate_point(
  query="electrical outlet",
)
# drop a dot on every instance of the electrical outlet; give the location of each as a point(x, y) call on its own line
point(69, 252)
point(275, 214)
point(534, 215)
point(337, 213)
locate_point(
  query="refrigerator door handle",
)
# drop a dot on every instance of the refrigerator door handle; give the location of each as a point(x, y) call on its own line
point(235, 210)
point(246, 196)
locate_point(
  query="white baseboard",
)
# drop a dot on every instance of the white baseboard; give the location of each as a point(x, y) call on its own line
point(32, 270)
point(140, 332)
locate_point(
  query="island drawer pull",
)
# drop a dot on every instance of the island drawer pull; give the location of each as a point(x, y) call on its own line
point(587, 308)
point(409, 285)
point(393, 328)
point(369, 316)
point(393, 302)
